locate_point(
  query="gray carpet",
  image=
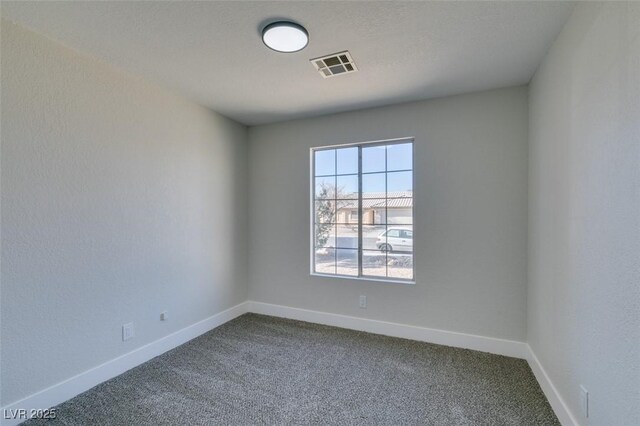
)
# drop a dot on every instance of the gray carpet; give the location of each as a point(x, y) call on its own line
point(263, 370)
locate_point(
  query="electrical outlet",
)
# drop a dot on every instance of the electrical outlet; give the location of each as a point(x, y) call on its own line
point(363, 302)
point(164, 316)
point(127, 331)
point(584, 401)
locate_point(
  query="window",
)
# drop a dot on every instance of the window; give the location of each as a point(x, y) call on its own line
point(362, 210)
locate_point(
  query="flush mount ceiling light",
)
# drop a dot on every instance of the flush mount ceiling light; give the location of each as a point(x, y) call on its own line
point(285, 36)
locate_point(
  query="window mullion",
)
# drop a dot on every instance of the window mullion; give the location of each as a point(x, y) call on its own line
point(335, 218)
point(360, 211)
point(386, 209)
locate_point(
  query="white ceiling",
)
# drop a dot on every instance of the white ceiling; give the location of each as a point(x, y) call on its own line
point(212, 51)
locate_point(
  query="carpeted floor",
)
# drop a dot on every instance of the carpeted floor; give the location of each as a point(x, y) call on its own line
point(263, 370)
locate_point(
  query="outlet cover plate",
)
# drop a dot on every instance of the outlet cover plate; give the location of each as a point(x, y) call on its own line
point(127, 331)
point(363, 302)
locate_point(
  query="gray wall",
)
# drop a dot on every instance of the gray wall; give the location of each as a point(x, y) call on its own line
point(584, 268)
point(119, 200)
point(470, 214)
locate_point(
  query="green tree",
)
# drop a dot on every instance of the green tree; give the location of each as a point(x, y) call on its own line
point(325, 214)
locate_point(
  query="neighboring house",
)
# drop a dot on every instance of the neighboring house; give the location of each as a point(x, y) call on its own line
point(396, 208)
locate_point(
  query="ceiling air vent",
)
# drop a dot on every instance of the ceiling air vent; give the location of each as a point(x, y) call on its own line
point(335, 64)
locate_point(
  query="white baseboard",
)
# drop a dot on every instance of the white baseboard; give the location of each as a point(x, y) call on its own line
point(557, 402)
point(82, 382)
point(441, 337)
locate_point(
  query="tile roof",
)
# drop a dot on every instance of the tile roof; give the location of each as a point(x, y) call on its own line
point(398, 199)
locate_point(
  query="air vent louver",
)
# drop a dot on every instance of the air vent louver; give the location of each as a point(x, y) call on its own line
point(335, 64)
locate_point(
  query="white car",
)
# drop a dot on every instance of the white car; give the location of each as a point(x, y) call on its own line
point(395, 239)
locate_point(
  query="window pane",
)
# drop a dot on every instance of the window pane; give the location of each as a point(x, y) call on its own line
point(325, 162)
point(325, 188)
point(400, 184)
point(347, 187)
point(347, 161)
point(374, 211)
point(373, 237)
point(364, 214)
point(344, 211)
point(325, 261)
point(399, 211)
point(400, 239)
point(374, 263)
point(399, 157)
point(400, 265)
point(347, 236)
point(324, 235)
point(325, 211)
point(347, 262)
point(373, 185)
point(373, 159)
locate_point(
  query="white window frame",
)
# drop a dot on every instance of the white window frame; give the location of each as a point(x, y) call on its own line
point(312, 179)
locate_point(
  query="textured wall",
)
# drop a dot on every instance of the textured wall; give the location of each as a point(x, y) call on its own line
point(470, 214)
point(584, 201)
point(119, 200)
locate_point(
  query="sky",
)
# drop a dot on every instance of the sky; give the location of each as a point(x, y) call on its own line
point(343, 162)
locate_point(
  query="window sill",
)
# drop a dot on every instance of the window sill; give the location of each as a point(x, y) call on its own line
point(366, 279)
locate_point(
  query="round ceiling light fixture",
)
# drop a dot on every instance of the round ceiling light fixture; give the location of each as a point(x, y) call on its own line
point(285, 36)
